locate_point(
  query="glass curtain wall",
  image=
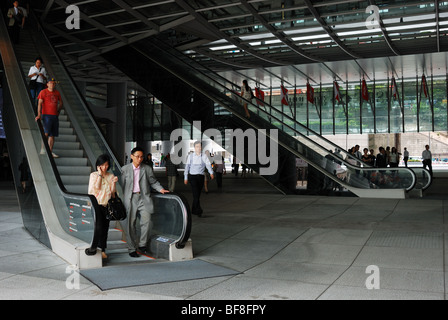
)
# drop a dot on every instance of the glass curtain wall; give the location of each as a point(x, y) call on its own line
point(392, 106)
point(387, 110)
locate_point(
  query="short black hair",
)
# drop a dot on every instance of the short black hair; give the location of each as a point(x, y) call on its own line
point(137, 149)
point(102, 159)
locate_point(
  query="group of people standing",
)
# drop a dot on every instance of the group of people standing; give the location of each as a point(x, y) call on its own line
point(386, 157)
point(389, 157)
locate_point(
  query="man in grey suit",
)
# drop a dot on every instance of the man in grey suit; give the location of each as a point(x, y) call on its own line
point(137, 180)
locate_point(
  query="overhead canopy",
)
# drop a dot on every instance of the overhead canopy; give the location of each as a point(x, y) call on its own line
point(295, 40)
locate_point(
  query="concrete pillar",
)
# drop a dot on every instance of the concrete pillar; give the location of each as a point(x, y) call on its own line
point(116, 98)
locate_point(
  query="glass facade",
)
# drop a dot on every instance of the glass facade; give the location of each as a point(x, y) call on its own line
point(405, 110)
point(408, 108)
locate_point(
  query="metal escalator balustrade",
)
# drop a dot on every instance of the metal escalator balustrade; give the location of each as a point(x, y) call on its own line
point(366, 182)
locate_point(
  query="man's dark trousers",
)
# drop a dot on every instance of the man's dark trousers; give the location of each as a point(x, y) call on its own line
point(197, 183)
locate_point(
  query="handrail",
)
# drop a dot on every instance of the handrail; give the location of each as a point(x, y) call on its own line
point(186, 213)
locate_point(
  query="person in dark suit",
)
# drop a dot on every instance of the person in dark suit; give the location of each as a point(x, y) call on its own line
point(16, 22)
point(137, 180)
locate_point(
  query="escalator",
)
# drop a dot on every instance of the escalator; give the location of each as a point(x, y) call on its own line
point(193, 94)
point(286, 121)
point(56, 209)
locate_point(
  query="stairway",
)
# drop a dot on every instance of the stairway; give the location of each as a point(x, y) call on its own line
point(72, 164)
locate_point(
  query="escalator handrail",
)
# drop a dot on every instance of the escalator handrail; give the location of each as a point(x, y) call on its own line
point(347, 164)
point(427, 173)
point(186, 212)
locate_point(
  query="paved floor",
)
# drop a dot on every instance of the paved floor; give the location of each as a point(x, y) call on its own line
point(287, 247)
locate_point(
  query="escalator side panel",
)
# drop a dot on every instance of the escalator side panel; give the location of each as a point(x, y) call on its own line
point(32, 217)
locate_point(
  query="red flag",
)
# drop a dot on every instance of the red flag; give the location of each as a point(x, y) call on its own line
point(425, 86)
point(284, 95)
point(337, 93)
point(394, 88)
point(260, 95)
point(364, 91)
point(309, 93)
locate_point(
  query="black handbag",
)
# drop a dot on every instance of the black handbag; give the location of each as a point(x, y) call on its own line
point(33, 84)
point(115, 209)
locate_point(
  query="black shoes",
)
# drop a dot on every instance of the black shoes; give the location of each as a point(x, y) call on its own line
point(134, 254)
point(141, 250)
point(199, 213)
point(90, 252)
point(138, 252)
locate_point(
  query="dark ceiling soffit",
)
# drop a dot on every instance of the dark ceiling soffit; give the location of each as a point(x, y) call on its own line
point(121, 40)
point(94, 23)
point(137, 15)
point(223, 35)
point(329, 31)
point(436, 4)
point(278, 34)
point(384, 31)
point(210, 55)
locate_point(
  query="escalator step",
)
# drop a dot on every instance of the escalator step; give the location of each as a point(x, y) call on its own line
point(70, 161)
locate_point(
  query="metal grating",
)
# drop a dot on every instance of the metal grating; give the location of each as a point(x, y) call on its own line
point(418, 240)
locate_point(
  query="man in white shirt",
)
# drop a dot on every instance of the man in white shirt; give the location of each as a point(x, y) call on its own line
point(195, 167)
point(358, 153)
point(38, 77)
point(427, 159)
